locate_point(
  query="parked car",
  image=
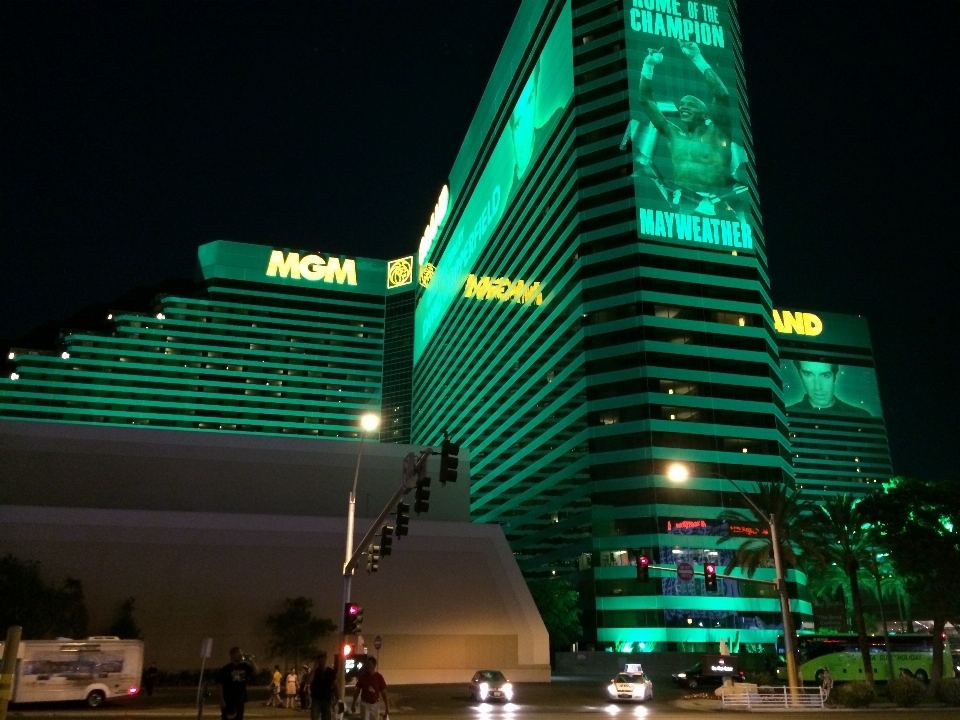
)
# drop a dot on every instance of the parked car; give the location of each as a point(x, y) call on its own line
point(694, 677)
point(633, 685)
point(490, 685)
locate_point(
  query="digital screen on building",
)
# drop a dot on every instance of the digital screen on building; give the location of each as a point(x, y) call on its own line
point(690, 164)
point(823, 388)
point(546, 93)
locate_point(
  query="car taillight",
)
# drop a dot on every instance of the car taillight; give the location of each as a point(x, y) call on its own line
point(132, 691)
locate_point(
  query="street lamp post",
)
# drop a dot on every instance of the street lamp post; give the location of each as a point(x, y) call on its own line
point(678, 473)
point(368, 423)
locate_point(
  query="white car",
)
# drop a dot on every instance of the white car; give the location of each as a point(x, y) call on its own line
point(635, 686)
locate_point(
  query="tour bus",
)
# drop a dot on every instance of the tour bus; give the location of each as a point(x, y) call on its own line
point(840, 654)
point(93, 670)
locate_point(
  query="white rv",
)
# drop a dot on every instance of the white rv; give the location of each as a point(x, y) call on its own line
point(92, 670)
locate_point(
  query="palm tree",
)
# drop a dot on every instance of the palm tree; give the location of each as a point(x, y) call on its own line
point(795, 532)
point(795, 529)
point(844, 535)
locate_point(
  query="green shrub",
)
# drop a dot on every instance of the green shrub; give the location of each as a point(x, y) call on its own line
point(855, 694)
point(906, 691)
point(758, 677)
point(948, 692)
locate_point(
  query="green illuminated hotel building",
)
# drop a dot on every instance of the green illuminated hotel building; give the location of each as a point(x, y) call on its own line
point(276, 341)
point(588, 306)
point(839, 440)
point(648, 340)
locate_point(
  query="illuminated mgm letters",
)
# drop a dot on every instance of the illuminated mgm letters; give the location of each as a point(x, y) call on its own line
point(801, 323)
point(312, 267)
point(501, 288)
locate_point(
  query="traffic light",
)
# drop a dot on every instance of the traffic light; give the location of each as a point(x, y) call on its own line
point(422, 495)
point(346, 650)
point(403, 520)
point(386, 540)
point(448, 462)
point(710, 577)
point(643, 568)
point(352, 619)
point(373, 557)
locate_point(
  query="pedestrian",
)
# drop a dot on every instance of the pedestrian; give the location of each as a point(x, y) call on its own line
point(323, 690)
point(233, 678)
point(293, 684)
point(370, 688)
point(275, 681)
point(826, 683)
point(150, 678)
point(305, 677)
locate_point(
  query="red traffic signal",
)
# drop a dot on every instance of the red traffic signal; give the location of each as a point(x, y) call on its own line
point(352, 619)
point(347, 650)
point(710, 577)
point(643, 568)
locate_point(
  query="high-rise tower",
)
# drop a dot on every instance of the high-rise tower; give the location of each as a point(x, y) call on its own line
point(599, 310)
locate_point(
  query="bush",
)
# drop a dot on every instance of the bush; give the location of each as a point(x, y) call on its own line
point(855, 694)
point(948, 692)
point(758, 677)
point(906, 691)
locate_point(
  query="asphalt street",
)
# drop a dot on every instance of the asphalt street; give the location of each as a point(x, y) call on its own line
point(560, 699)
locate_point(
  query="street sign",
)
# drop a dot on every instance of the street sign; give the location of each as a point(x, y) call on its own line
point(378, 642)
point(684, 571)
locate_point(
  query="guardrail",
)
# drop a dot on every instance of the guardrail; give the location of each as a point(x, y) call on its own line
point(774, 697)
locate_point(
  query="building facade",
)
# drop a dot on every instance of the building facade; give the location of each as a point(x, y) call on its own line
point(834, 414)
point(599, 310)
point(276, 341)
point(589, 306)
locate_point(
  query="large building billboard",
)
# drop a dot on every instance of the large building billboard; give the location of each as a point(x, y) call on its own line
point(546, 93)
point(817, 378)
point(690, 165)
point(824, 388)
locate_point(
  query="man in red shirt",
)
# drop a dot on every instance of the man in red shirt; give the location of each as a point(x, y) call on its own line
point(370, 687)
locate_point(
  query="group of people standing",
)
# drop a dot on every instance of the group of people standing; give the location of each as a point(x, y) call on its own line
point(316, 688)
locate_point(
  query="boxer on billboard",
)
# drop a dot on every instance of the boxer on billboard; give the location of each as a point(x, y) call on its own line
point(699, 142)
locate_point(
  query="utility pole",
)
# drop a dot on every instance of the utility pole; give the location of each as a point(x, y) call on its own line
point(414, 468)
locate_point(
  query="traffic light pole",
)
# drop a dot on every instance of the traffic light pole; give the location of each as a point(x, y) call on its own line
point(352, 558)
point(348, 573)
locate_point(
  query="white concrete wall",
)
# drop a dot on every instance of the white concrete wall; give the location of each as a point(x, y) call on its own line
point(140, 468)
point(449, 601)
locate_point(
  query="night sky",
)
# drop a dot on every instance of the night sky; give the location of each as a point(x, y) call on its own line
point(132, 132)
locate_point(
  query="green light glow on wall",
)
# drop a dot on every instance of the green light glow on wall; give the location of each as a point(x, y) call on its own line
point(547, 91)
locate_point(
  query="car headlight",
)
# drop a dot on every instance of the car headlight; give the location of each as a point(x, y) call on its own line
point(612, 689)
point(681, 675)
point(507, 691)
point(484, 691)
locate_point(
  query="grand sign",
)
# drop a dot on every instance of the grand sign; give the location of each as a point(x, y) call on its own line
point(801, 323)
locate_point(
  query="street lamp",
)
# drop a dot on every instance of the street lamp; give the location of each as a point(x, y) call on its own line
point(368, 423)
point(679, 473)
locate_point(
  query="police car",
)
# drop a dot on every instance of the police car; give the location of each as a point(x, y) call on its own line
point(631, 684)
